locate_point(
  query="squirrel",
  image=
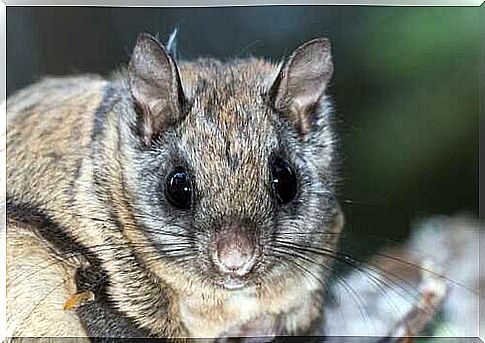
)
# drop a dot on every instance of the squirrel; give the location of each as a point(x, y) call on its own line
point(173, 199)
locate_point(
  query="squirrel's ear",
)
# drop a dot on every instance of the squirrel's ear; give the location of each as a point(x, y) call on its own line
point(155, 86)
point(301, 83)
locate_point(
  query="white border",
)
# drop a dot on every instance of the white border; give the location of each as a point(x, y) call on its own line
point(166, 3)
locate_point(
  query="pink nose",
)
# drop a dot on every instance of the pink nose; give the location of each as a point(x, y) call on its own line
point(235, 253)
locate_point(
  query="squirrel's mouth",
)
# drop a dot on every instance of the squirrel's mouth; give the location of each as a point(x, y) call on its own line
point(233, 283)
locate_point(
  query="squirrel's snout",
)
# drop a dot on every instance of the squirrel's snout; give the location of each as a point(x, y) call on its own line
point(235, 252)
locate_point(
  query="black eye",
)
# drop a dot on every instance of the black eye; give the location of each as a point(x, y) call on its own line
point(179, 188)
point(283, 180)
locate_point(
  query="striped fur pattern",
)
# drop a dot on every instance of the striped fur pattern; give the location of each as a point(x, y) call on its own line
point(87, 210)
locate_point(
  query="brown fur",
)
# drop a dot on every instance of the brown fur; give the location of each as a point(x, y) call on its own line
point(42, 156)
point(84, 183)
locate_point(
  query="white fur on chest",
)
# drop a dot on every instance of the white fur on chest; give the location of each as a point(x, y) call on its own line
point(207, 316)
point(210, 318)
point(244, 303)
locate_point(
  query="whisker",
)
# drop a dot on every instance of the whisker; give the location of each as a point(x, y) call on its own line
point(388, 282)
point(349, 289)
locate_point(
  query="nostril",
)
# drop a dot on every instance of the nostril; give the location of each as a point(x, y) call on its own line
point(234, 254)
point(232, 257)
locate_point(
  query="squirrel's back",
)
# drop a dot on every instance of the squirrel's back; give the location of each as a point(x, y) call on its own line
point(48, 129)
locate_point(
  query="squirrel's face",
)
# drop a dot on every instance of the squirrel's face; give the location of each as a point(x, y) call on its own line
point(232, 175)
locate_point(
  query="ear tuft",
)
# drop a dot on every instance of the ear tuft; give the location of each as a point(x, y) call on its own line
point(172, 44)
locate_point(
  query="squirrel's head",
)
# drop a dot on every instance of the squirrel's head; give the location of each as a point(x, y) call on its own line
point(229, 167)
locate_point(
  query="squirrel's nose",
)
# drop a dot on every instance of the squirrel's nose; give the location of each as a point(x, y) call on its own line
point(235, 252)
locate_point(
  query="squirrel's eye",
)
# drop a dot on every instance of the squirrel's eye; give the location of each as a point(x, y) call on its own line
point(283, 180)
point(179, 188)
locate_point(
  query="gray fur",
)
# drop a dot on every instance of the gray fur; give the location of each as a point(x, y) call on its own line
point(224, 122)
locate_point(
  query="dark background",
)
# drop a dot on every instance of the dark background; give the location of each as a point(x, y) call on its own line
point(406, 88)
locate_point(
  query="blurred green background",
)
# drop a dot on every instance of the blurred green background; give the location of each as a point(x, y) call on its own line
point(406, 88)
